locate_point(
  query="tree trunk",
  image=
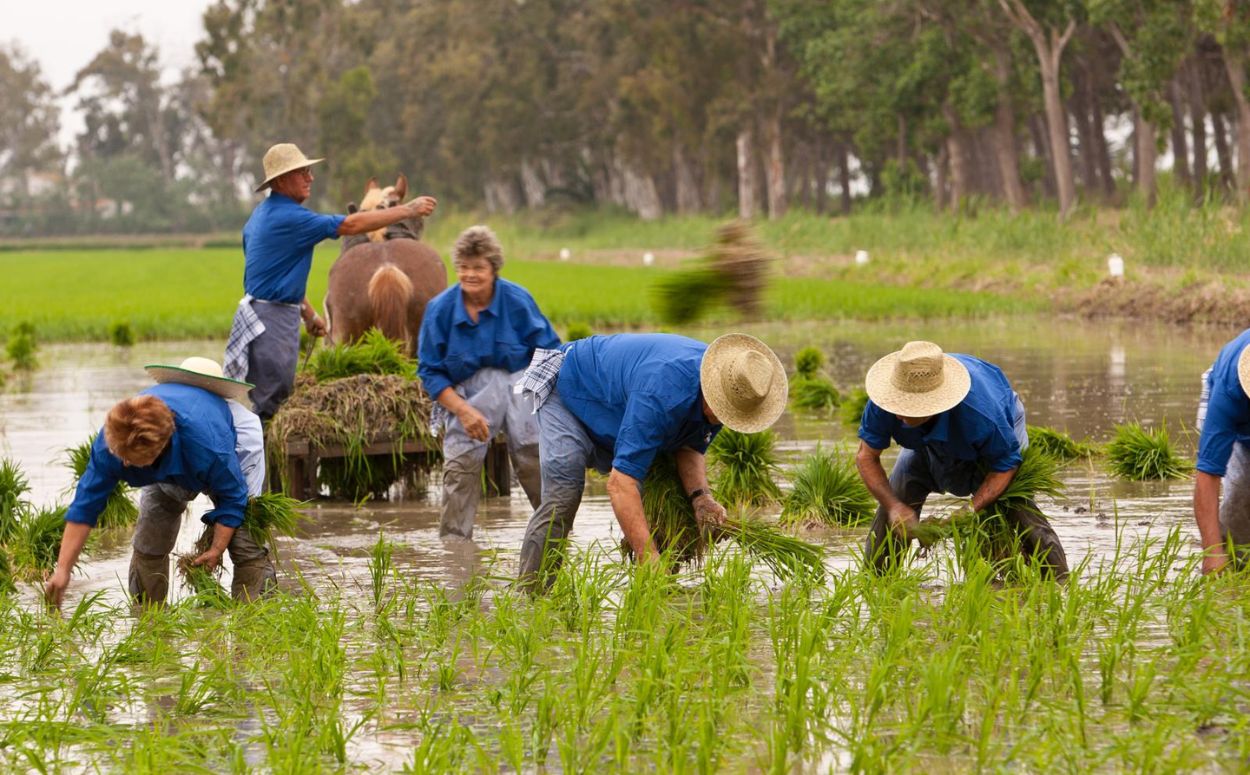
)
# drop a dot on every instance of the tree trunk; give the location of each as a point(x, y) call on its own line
point(1180, 143)
point(1198, 124)
point(1041, 149)
point(941, 179)
point(775, 167)
point(1145, 156)
point(1005, 134)
point(844, 176)
point(641, 195)
point(746, 174)
point(532, 184)
point(685, 182)
point(957, 157)
point(1235, 64)
point(1081, 98)
point(1222, 151)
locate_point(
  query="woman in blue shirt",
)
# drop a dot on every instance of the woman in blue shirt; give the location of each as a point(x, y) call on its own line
point(476, 338)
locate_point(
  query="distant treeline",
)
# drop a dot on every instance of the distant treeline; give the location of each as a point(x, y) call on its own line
point(654, 106)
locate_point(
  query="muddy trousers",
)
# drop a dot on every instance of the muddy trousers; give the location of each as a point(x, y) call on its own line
point(1235, 504)
point(161, 507)
point(273, 356)
point(916, 474)
point(565, 451)
point(490, 392)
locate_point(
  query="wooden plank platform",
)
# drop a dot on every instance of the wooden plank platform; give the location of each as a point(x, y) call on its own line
point(302, 459)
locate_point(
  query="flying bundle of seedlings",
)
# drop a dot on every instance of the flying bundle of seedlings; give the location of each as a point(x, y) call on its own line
point(373, 354)
point(677, 535)
point(1139, 454)
point(851, 411)
point(120, 510)
point(827, 491)
point(1059, 445)
point(746, 468)
point(1038, 475)
point(734, 272)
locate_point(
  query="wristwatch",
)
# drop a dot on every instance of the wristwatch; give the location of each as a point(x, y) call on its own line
point(701, 491)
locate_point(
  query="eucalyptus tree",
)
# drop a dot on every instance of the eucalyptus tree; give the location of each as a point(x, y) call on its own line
point(1228, 21)
point(29, 122)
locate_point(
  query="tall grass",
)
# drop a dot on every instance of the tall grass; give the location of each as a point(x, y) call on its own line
point(827, 491)
point(1139, 454)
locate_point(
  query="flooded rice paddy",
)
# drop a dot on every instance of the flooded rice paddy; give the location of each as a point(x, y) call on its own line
point(428, 666)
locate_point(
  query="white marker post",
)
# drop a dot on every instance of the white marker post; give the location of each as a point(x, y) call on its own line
point(565, 254)
point(1115, 265)
point(861, 257)
point(648, 258)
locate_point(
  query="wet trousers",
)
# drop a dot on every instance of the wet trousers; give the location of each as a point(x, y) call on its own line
point(490, 392)
point(161, 507)
point(273, 356)
point(1235, 504)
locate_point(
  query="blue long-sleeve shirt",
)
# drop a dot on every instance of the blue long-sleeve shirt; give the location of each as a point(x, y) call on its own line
point(1227, 416)
point(451, 347)
point(278, 242)
point(200, 456)
point(637, 395)
point(980, 427)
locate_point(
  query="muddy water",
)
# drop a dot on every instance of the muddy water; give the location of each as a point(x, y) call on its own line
point(1073, 375)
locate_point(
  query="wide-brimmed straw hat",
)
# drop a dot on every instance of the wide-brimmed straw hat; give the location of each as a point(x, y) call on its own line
point(281, 159)
point(918, 381)
point(1243, 370)
point(744, 383)
point(202, 373)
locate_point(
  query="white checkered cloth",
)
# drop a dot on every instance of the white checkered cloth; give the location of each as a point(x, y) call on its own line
point(1203, 400)
point(246, 327)
point(540, 378)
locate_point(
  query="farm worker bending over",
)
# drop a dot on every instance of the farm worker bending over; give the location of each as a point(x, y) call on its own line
point(476, 339)
point(182, 437)
point(962, 431)
point(614, 402)
point(1224, 433)
point(278, 242)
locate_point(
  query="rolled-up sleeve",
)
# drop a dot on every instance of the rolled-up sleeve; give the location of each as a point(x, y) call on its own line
point(1001, 450)
point(876, 426)
point(309, 228)
point(227, 491)
point(431, 346)
point(1219, 432)
point(94, 487)
point(646, 423)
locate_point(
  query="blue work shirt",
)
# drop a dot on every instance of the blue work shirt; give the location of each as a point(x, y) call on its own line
point(637, 395)
point(1228, 410)
point(278, 242)
point(200, 457)
point(981, 427)
point(451, 347)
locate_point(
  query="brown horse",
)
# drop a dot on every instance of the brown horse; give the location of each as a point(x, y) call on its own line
point(384, 284)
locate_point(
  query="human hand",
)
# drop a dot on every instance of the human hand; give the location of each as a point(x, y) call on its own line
point(209, 559)
point(54, 587)
point(707, 512)
point(315, 326)
point(423, 206)
point(474, 423)
point(902, 519)
point(1214, 560)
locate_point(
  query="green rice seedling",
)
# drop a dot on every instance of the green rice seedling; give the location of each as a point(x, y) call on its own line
point(119, 510)
point(1058, 444)
point(381, 567)
point(813, 393)
point(273, 514)
point(684, 296)
point(1139, 454)
point(808, 362)
point(205, 584)
point(13, 487)
point(373, 354)
point(746, 467)
point(21, 349)
point(828, 491)
point(121, 334)
point(6, 573)
point(852, 408)
point(577, 330)
point(37, 542)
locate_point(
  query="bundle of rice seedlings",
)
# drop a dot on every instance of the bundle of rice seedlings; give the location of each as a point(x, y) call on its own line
point(373, 354)
point(577, 331)
point(121, 334)
point(205, 585)
point(813, 393)
point(852, 408)
point(120, 510)
point(745, 467)
point(808, 362)
point(21, 349)
point(270, 515)
point(13, 486)
point(734, 272)
point(828, 491)
point(1139, 454)
point(36, 542)
point(6, 574)
point(682, 297)
point(677, 536)
point(1058, 444)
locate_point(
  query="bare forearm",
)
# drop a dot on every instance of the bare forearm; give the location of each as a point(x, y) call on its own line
point(72, 542)
point(868, 461)
point(221, 537)
point(451, 400)
point(691, 469)
point(1207, 508)
point(626, 498)
point(992, 488)
point(369, 220)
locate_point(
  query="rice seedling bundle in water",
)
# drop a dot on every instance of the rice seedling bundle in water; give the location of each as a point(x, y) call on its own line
point(677, 535)
point(36, 542)
point(121, 334)
point(808, 362)
point(119, 510)
point(21, 349)
point(373, 354)
point(828, 491)
point(851, 410)
point(1139, 454)
point(746, 467)
point(1058, 444)
point(813, 393)
point(268, 516)
point(13, 488)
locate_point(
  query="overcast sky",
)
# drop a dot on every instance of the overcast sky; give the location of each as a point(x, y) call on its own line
point(63, 35)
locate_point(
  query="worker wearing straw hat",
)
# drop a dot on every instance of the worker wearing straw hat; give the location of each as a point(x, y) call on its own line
point(962, 430)
point(1224, 458)
point(184, 436)
point(278, 242)
point(615, 402)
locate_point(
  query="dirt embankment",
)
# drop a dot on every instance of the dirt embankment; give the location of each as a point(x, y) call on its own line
point(1203, 302)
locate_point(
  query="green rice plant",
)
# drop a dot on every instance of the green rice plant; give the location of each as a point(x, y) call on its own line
point(13, 487)
point(851, 411)
point(577, 330)
point(813, 393)
point(119, 510)
point(1058, 444)
point(684, 296)
point(37, 542)
point(808, 362)
point(746, 467)
point(381, 567)
point(828, 491)
point(1139, 454)
point(121, 334)
point(205, 584)
point(273, 514)
point(21, 348)
point(373, 354)
point(6, 574)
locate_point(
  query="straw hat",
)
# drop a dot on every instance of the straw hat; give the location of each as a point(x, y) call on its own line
point(744, 382)
point(1243, 369)
point(281, 159)
point(202, 373)
point(917, 381)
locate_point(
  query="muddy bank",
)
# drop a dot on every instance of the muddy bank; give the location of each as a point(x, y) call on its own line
point(1210, 302)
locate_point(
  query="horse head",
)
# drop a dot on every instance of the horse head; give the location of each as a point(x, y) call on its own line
point(378, 198)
